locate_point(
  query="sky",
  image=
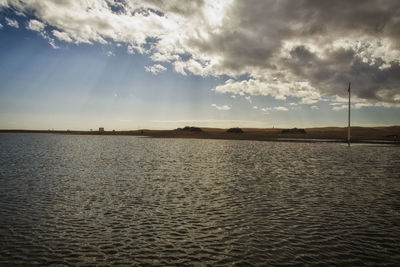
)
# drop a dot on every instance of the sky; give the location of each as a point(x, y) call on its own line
point(163, 64)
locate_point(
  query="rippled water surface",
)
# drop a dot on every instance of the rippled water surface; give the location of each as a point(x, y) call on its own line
point(122, 200)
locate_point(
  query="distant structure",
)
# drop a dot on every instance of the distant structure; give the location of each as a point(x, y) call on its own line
point(190, 129)
point(234, 130)
point(101, 129)
point(294, 131)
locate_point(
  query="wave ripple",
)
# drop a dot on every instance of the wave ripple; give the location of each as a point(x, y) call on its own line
point(106, 200)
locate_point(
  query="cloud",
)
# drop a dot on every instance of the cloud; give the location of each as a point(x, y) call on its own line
point(35, 25)
point(337, 107)
point(309, 101)
point(362, 105)
point(1, 26)
point(62, 36)
point(224, 107)
point(339, 103)
point(281, 108)
point(179, 67)
point(12, 23)
point(49, 39)
point(272, 86)
point(373, 79)
point(155, 69)
point(314, 107)
point(304, 49)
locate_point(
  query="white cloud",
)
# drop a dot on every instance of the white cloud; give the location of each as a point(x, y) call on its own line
point(3, 3)
point(281, 108)
point(155, 69)
point(362, 105)
point(315, 107)
point(358, 103)
point(339, 99)
point(12, 23)
point(49, 39)
point(224, 107)
point(248, 98)
point(179, 67)
point(337, 108)
point(62, 36)
point(309, 101)
point(255, 107)
point(1, 26)
point(162, 57)
point(263, 85)
point(35, 25)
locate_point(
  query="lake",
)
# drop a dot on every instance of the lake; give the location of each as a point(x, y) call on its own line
point(124, 200)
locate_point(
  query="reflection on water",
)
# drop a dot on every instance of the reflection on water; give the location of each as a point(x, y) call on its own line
point(114, 200)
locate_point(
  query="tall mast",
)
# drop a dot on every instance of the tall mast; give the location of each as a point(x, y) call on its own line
point(348, 127)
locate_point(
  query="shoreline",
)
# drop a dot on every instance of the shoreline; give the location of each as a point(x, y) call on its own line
point(364, 135)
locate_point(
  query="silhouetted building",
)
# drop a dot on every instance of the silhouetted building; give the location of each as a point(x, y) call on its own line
point(101, 129)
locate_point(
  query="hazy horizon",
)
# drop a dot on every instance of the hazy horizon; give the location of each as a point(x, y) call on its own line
point(191, 125)
point(128, 65)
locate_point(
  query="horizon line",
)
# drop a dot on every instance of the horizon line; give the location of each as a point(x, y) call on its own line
point(204, 127)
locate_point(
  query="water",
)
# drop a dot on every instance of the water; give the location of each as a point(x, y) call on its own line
point(122, 200)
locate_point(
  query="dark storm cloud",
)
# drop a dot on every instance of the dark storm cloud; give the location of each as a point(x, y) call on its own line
point(268, 23)
point(330, 75)
point(254, 33)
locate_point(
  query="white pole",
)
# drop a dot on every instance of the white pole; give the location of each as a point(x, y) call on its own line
point(348, 127)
